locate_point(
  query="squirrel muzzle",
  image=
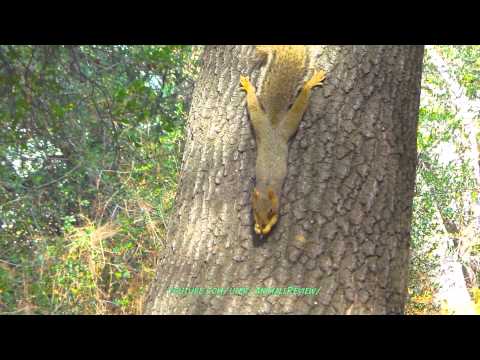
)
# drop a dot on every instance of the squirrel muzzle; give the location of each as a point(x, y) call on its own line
point(265, 210)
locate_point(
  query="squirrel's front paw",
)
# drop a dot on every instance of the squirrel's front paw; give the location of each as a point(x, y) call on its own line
point(316, 79)
point(245, 84)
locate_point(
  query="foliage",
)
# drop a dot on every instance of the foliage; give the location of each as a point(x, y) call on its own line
point(445, 177)
point(90, 141)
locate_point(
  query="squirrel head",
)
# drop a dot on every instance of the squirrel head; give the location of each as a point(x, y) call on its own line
point(265, 210)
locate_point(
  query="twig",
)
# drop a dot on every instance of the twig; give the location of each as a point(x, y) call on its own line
point(9, 263)
point(58, 179)
point(45, 185)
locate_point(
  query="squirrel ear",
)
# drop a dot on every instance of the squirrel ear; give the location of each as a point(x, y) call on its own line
point(256, 194)
point(271, 194)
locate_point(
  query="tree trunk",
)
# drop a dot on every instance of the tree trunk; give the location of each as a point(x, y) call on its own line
point(344, 226)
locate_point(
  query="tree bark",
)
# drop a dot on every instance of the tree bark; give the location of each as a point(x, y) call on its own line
point(344, 225)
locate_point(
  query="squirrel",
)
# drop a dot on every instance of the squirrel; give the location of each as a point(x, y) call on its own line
point(275, 116)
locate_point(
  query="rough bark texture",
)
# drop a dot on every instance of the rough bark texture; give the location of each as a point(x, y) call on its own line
point(344, 223)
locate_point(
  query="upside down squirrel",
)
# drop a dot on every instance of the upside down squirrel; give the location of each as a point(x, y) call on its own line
point(275, 116)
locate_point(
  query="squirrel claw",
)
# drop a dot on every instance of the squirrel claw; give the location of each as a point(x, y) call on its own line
point(316, 79)
point(245, 83)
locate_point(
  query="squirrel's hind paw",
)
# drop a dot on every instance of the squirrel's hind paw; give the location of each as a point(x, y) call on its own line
point(245, 84)
point(317, 79)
